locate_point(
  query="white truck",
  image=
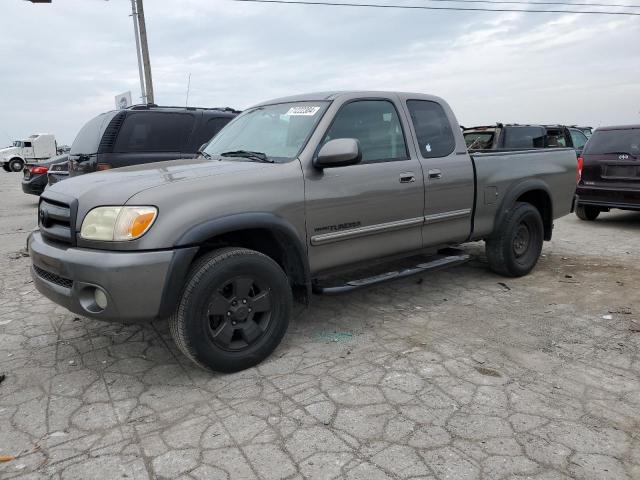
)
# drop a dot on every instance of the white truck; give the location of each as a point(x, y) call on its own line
point(40, 146)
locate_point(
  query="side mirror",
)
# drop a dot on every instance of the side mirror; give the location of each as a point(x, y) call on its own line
point(339, 153)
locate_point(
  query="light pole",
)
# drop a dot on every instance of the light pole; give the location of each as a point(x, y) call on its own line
point(134, 15)
point(142, 51)
point(144, 48)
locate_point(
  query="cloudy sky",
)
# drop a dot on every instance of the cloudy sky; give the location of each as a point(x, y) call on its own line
point(61, 64)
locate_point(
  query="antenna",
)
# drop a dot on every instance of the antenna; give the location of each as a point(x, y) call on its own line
point(186, 103)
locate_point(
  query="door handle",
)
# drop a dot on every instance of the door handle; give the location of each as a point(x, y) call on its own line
point(435, 174)
point(407, 177)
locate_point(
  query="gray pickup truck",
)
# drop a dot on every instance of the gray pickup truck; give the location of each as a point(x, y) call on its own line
point(291, 191)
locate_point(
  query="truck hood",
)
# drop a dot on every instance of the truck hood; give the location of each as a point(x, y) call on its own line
point(5, 152)
point(115, 187)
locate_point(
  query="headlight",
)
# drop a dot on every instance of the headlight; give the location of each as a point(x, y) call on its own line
point(117, 223)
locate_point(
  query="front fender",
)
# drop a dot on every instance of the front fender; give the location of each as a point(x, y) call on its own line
point(293, 244)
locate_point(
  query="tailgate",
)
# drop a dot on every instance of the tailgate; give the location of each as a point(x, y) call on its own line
point(611, 170)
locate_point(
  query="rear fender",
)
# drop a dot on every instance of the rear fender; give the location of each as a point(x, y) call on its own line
point(518, 190)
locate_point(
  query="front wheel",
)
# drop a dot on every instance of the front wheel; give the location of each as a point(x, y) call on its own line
point(587, 212)
point(16, 165)
point(234, 310)
point(513, 250)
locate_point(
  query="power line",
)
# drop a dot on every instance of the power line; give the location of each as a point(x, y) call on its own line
point(541, 3)
point(425, 7)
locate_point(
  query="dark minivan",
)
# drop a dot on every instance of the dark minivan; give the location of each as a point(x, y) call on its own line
point(144, 134)
point(609, 171)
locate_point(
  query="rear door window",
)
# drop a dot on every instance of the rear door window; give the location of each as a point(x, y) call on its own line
point(433, 129)
point(376, 125)
point(524, 137)
point(154, 132)
point(619, 142)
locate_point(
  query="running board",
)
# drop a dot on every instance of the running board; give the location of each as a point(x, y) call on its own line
point(447, 258)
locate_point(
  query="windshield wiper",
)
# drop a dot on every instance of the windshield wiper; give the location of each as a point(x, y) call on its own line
point(204, 154)
point(259, 156)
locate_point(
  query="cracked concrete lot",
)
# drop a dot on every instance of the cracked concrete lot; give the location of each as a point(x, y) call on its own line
point(459, 375)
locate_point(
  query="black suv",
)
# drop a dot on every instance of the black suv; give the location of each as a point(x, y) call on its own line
point(609, 171)
point(143, 134)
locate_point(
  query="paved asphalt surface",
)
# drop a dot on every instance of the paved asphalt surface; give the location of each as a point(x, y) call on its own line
point(459, 375)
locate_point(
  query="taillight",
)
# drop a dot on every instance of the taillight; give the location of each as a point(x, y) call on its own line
point(579, 170)
point(103, 166)
point(38, 170)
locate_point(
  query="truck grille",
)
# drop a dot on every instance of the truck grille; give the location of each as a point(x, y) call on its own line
point(53, 278)
point(55, 221)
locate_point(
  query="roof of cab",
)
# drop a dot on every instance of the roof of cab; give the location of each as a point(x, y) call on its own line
point(333, 95)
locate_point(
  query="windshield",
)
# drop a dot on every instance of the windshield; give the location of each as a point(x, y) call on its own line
point(279, 131)
point(17, 143)
point(614, 141)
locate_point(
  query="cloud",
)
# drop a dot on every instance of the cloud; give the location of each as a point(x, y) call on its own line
point(63, 63)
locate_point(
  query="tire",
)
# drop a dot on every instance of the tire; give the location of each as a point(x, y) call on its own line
point(212, 325)
point(16, 165)
point(513, 250)
point(587, 212)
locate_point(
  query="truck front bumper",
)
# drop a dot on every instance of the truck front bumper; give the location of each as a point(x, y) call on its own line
point(132, 286)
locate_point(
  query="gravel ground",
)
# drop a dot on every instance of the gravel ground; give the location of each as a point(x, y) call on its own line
point(458, 375)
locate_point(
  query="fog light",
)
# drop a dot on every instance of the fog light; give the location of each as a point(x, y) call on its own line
point(100, 298)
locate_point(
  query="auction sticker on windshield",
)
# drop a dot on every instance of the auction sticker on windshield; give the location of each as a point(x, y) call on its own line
point(303, 111)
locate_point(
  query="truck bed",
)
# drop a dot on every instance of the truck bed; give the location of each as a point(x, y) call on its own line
point(500, 174)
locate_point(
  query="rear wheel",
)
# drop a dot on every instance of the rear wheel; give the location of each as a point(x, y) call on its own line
point(513, 250)
point(16, 165)
point(234, 310)
point(587, 212)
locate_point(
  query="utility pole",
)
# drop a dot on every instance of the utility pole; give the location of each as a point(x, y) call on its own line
point(144, 47)
point(186, 103)
point(134, 15)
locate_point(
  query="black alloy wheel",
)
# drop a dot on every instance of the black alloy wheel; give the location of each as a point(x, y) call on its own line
point(239, 313)
point(233, 311)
